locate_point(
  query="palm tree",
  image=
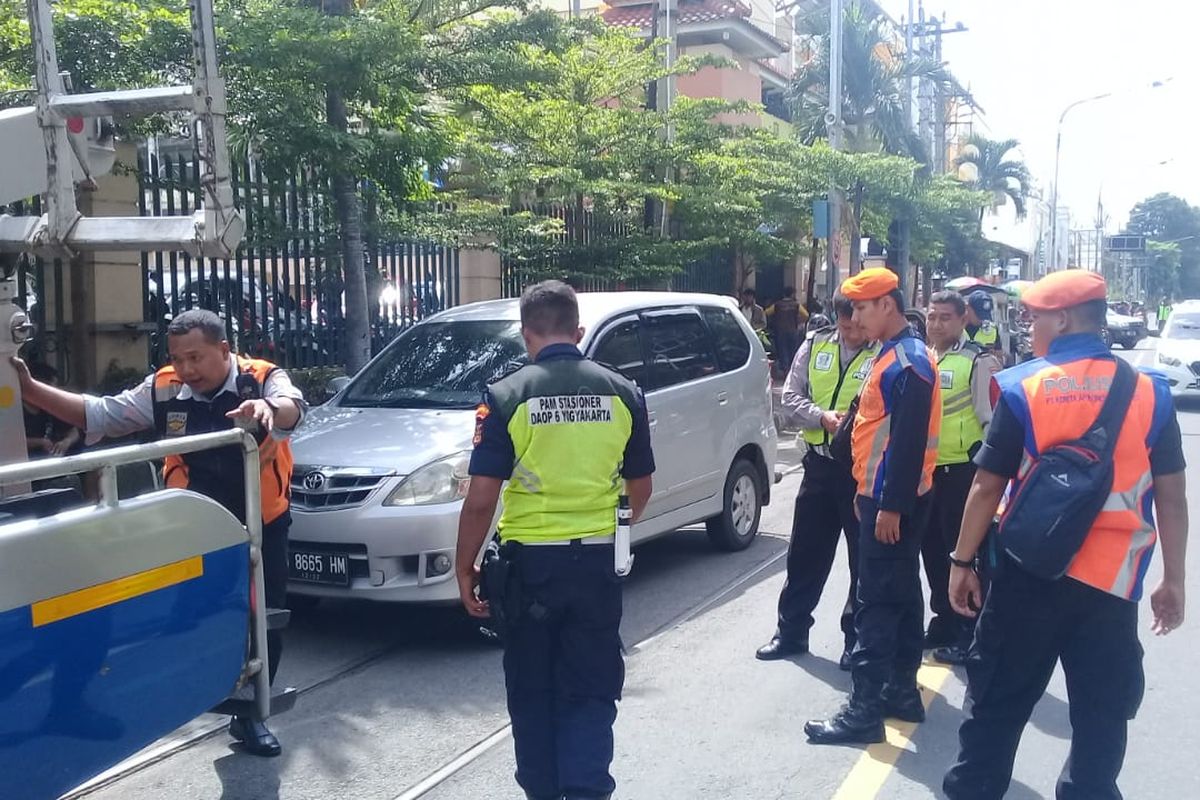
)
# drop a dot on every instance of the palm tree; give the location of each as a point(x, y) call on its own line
point(992, 171)
point(875, 80)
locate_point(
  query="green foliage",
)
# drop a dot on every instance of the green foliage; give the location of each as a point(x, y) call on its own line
point(995, 173)
point(1170, 220)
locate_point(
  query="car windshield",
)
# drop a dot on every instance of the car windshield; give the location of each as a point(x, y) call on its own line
point(439, 365)
point(1183, 326)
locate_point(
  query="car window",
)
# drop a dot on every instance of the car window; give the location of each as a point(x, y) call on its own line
point(679, 347)
point(1183, 326)
point(620, 349)
point(439, 365)
point(733, 348)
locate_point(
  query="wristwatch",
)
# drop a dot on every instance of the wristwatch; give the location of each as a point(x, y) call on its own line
point(958, 562)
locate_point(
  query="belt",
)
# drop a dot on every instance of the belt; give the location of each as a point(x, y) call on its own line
point(609, 539)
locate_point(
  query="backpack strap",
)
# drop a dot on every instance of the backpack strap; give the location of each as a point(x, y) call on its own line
point(1116, 406)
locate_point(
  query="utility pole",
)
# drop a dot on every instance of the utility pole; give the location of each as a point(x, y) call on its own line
point(833, 128)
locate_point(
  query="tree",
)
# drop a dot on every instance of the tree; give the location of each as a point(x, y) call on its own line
point(1167, 219)
point(992, 171)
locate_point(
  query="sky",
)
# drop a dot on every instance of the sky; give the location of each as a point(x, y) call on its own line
point(1026, 60)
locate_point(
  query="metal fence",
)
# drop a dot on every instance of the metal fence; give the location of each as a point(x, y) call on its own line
point(282, 295)
point(42, 292)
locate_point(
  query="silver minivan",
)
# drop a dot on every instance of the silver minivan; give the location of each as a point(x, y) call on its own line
point(381, 469)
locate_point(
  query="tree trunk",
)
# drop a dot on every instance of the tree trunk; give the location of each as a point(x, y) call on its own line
point(812, 271)
point(357, 332)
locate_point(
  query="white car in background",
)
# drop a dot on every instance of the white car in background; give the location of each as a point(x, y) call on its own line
point(1179, 349)
point(381, 469)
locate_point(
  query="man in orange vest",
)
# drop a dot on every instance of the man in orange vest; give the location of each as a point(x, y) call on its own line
point(207, 388)
point(1088, 618)
point(894, 445)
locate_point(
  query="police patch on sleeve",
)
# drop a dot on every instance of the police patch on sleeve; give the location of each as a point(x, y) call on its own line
point(570, 409)
point(824, 361)
point(481, 413)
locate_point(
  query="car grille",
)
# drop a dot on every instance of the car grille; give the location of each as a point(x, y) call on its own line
point(331, 488)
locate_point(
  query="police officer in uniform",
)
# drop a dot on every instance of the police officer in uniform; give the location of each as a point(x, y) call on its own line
point(825, 377)
point(207, 388)
point(980, 328)
point(1087, 619)
point(563, 432)
point(965, 371)
point(894, 442)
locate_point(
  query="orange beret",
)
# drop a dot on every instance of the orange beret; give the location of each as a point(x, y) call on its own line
point(870, 284)
point(1064, 289)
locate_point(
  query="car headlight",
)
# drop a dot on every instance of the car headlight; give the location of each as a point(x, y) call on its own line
point(1170, 361)
point(442, 481)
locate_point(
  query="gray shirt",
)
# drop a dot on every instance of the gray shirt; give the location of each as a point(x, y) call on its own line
point(797, 394)
point(132, 410)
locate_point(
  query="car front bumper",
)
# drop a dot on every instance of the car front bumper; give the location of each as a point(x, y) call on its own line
point(391, 550)
point(1184, 382)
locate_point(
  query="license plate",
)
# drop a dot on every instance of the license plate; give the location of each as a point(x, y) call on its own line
point(327, 568)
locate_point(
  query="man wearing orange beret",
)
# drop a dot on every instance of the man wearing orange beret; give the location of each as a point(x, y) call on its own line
point(894, 445)
point(1088, 618)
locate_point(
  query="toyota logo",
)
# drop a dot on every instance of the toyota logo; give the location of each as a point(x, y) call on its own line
point(314, 481)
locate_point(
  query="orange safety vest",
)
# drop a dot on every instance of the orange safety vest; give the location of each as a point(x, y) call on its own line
point(873, 423)
point(1058, 398)
point(196, 416)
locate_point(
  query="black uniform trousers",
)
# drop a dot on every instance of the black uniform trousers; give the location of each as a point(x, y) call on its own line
point(824, 510)
point(563, 669)
point(951, 484)
point(890, 616)
point(1027, 625)
point(275, 578)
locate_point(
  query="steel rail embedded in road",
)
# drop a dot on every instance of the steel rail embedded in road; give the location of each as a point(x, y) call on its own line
point(450, 768)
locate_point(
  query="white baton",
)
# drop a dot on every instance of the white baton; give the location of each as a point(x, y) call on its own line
point(622, 557)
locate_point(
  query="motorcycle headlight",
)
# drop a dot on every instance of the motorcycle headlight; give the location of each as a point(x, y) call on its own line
point(442, 481)
point(1170, 361)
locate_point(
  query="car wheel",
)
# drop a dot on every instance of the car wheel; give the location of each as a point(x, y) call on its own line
point(737, 524)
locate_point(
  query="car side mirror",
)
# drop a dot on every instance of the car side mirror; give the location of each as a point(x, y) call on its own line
point(336, 385)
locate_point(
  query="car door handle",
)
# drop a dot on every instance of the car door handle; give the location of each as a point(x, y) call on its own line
point(722, 397)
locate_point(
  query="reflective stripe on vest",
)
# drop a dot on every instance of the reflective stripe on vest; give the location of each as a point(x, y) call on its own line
point(832, 386)
point(569, 421)
point(961, 428)
point(1061, 401)
point(872, 425)
point(986, 336)
point(274, 455)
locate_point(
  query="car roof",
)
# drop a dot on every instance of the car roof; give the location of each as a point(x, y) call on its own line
point(594, 307)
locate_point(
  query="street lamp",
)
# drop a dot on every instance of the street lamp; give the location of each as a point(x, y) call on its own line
point(1057, 154)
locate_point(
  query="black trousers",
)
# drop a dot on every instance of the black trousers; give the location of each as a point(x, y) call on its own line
point(1026, 627)
point(275, 577)
point(824, 511)
point(563, 669)
point(890, 615)
point(951, 484)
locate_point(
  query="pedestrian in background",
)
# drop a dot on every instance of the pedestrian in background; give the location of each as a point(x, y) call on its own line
point(563, 668)
point(894, 443)
point(786, 319)
point(752, 311)
point(1088, 618)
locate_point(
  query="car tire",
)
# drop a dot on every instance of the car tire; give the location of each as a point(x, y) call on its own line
point(736, 526)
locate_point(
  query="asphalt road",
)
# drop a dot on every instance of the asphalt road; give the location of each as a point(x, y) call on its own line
point(701, 717)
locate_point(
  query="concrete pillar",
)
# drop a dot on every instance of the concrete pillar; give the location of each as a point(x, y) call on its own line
point(479, 273)
point(106, 288)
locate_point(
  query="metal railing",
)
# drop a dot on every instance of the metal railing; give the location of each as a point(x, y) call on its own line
point(107, 461)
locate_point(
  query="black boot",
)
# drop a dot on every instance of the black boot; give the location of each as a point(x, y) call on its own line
point(860, 721)
point(902, 701)
point(255, 737)
point(780, 647)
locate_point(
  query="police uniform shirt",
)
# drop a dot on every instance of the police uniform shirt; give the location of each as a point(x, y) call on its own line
point(797, 394)
point(1004, 447)
point(982, 393)
point(494, 455)
point(912, 404)
point(132, 411)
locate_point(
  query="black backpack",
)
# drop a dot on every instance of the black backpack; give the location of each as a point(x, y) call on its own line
point(1051, 514)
